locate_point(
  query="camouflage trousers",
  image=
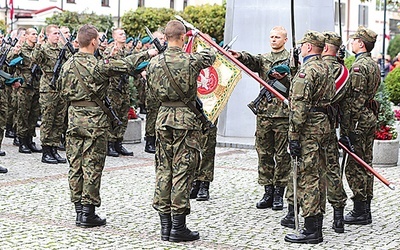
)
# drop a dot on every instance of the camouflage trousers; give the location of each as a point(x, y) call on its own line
point(86, 149)
point(177, 156)
point(152, 106)
point(140, 85)
point(311, 176)
point(205, 171)
point(361, 182)
point(11, 95)
point(335, 191)
point(53, 109)
point(28, 112)
point(3, 113)
point(271, 146)
point(121, 104)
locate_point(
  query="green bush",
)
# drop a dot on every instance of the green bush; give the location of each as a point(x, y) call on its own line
point(392, 85)
point(348, 61)
point(394, 46)
point(386, 114)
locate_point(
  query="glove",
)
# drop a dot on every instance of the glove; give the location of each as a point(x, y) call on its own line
point(295, 148)
point(345, 140)
point(342, 52)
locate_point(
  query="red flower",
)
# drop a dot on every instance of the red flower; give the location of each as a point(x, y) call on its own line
point(384, 133)
point(132, 113)
point(397, 114)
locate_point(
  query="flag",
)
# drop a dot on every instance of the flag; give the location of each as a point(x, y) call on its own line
point(11, 5)
point(216, 83)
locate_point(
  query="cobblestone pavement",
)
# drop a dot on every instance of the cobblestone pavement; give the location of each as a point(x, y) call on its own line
point(36, 212)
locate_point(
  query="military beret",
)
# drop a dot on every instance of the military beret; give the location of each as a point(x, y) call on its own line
point(12, 80)
point(110, 40)
point(15, 61)
point(313, 37)
point(142, 65)
point(281, 69)
point(332, 38)
point(365, 34)
point(145, 40)
point(129, 39)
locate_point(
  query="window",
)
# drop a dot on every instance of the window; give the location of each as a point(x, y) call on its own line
point(105, 3)
point(342, 13)
point(363, 15)
point(171, 4)
point(184, 4)
point(70, 1)
point(140, 3)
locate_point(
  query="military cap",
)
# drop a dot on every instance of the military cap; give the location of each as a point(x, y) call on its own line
point(313, 37)
point(145, 40)
point(281, 69)
point(129, 39)
point(332, 38)
point(365, 34)
point(110, 40)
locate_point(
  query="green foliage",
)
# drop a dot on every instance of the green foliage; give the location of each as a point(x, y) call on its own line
point(348, 61)
point(386, 114)
point(394, 46)
point(73, 20)
point(392, 85)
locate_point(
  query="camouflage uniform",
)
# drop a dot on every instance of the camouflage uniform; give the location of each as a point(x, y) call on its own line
point(53, 108)
point(177, 128)
point(87, 123)
point(3, 110)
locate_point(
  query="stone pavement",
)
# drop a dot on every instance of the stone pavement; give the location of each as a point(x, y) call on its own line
point(36, 212)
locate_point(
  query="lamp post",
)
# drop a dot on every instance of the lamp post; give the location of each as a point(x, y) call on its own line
point(383, 42)
point(119, 14)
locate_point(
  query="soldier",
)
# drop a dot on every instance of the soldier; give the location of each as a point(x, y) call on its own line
point(272, 121)
point(146, 43)
point(178, 131)
point(87, 121)
point(53, 108)
point(335, 191)
point(309, 127)
point(151, 107)
point(28, 94)
point(119, 96)
point(359, 123)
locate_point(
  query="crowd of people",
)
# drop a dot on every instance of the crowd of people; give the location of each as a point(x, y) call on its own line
point(71, 82)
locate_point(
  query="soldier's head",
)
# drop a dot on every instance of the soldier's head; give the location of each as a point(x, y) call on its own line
point(313, 42)
point(52, 33)
point(119, 36)
point(175, 33)
point(88, 38)
point(332, 43)
point(161, 37)
point(21, 32)
point(31, 36)
point(278, 38)
point(66, 32)
point(363, 40)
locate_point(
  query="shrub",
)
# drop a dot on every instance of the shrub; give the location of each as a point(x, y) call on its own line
point(392, 84)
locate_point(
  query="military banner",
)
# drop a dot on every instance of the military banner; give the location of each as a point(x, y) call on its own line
point(216, 83)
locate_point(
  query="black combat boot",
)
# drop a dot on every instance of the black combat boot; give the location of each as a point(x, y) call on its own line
point(288, 220)
point(142, 109)
point(89, 218)
point(32, 145)
point(203, 194)
point(369, 211)
point(359, 215)
point(47, 156)
point(16, 141)
point(111, 150)
point(23, 146)
point(3, 170)
point(57, 156)
point(2, 153)
point(266, 201)
point(166, 225)
point(121, 150)
point(195, 189)
point(150, 145)
point(277, 203)
point(311, 234)
point(338, 224)
point(78, 210)
point(9, 132)
point(180, 232)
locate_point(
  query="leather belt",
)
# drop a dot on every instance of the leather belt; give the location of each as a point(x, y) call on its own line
point(174, 104)
point(83, 104)
point(318, 109)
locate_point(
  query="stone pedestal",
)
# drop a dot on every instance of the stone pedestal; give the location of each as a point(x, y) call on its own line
point(133, 133)
point(385, 153)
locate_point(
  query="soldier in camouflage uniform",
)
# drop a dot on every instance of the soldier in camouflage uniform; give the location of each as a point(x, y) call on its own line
point(52, 106)
point(359, 123)
point(272, 122)
point(87, 122)
point(309, 127)
point(335, 191)
point(178, 131)
point(4, 104)
point(28, 94)
point(119, 96)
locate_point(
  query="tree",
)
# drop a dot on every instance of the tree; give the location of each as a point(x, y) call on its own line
point(73, 20)
point(392, 85)
point(394, 46)
point(3, 27)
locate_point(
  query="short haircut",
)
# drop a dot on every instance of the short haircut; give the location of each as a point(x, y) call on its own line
point(174, 30)
point(280, 29)
point(49, 27)
point(86, 34)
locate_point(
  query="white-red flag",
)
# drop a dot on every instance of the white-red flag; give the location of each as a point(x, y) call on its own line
point(11, 6)
point(216, 83)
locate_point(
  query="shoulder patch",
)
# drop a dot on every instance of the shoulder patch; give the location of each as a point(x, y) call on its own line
point(302, 75)
point(356, 69)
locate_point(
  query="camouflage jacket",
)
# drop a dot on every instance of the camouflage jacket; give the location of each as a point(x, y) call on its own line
point(311, 88)
point(335, 69)
point(185, 68)
point(46, 57)
point(364, 82)
point(117, 83)
point(262, 64)
point(24, 69)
